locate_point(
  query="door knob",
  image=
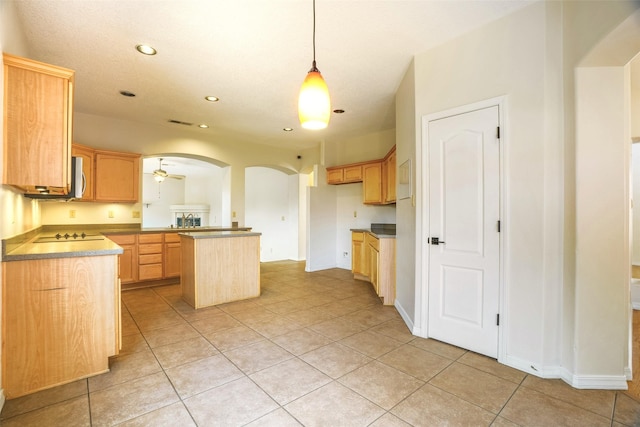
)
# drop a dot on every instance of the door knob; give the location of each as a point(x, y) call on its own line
point(435, 241)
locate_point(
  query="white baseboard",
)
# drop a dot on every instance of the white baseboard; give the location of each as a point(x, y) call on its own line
point(405, 316)
point(593, 382)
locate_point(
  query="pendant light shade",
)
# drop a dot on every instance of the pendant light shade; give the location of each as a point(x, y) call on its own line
point(314, 103)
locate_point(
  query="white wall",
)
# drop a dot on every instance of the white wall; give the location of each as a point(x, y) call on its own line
point(352, 213)
point(156, 199)
point(508, 58)
point(635, 157)
point(272, 209)
point(321, 225)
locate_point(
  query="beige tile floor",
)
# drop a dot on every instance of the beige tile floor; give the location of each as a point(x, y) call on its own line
point(316, 349)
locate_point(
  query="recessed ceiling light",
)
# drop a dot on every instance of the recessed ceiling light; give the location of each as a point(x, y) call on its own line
point(212, 98)
point(338, 111)
point(127, 93)
point(203, 126)
point(287, 129)
point(146, 49)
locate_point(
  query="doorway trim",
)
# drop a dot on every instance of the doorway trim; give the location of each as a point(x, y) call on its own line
point(422, 218)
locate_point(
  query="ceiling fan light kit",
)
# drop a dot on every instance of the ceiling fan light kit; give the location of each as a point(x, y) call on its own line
point(160, 174)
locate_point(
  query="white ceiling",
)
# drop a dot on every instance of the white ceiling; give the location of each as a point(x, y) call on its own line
point(252, 54)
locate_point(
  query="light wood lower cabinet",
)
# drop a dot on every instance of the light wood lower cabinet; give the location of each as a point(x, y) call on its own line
point(374, 260)
point(60, 321)
point(150, 256)
point(129, 257)
point(172, 255)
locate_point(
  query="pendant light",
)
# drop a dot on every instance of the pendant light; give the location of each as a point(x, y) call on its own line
point(314, 103)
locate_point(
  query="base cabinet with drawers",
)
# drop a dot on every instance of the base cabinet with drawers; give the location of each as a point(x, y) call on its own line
point(374, 260)
point(148, 256)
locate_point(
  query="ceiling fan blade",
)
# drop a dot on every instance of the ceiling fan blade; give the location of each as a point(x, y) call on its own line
point(175, 176)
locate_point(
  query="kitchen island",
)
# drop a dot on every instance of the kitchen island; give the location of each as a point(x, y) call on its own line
point(219, 267)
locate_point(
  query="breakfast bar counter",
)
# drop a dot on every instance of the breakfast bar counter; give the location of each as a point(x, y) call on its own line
point(219, 267)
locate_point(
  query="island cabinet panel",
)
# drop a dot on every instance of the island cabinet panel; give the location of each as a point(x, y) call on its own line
point(220, 269)
point(38, 111)
point(60, 321)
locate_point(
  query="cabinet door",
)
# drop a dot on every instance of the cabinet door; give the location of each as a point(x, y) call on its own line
point(38, 105)
point(353, 173)
point(129, 257)
point(88, 159)
point(357, 253)
point(117, 177)
point(372, 182)
point(335, 176)
point(390, 178)
point(171, 260)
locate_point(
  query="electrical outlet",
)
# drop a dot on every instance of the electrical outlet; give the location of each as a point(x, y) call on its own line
point(135, 214)
point(111, 214)
point(355, 214)
point(72, 213)
point(233, 214)
point(283, 217)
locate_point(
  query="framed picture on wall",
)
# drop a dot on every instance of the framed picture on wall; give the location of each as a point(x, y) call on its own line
point(404, 180)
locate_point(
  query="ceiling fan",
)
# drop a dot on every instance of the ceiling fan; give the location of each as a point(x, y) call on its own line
point(160, 174)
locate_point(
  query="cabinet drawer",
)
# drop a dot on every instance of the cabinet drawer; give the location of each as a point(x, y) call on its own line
point(150, 271)
point(123, 239)
point(150, 248)
point(357, 236)
point(150, 238)
point(172, 238)
point(150, 259)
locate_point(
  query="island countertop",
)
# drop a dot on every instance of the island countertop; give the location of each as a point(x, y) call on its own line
point(218, 234)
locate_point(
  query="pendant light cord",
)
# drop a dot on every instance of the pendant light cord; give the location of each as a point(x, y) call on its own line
point(313, 65)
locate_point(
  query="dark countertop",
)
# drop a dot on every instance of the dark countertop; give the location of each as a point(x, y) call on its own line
point(379, 230)
point(23, 247)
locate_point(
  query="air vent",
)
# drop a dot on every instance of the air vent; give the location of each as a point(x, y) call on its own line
point(178, 122)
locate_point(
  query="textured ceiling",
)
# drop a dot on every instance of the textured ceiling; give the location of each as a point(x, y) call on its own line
point(252, 54)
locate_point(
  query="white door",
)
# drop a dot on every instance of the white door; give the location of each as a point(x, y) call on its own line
point(464, 243)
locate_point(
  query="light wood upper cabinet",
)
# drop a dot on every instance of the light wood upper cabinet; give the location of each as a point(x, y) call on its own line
point(88, 164)
point(372, 183)
point(38, 106)
point(117, 176)
point(378, 178)
point(344, 174)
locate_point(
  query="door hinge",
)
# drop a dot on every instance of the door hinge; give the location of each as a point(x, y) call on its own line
point(498, 132)
point(498, 226)
point(498, 319)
